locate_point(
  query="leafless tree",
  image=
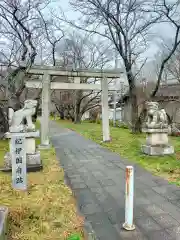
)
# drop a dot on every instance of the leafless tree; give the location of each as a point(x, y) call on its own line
point(19, 33)
point(53, 34)
point(83, 53)
point(17, 23)
point(170, 13)
point(126, 25)
point(172, 68)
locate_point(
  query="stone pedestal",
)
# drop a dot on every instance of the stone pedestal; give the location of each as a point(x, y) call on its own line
point(33, 158)
point(3, 223)
point(44, 146)
point(157, 142)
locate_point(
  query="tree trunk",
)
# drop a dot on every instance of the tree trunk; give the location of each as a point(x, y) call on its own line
point(78, 119)
point(4, 125)
point(77, 112)
point(14, 102)
point(142, 117)
point(60, 110)
point(61, 113)
point(34, 117)
point(134, 102)
point(136, 126)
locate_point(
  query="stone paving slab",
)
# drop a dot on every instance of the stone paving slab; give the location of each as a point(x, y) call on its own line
point(97, 179)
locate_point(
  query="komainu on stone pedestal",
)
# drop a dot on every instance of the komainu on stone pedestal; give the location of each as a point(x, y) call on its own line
point(16, 118)
point(16, 122)
point(156, 128)
point(156, 119)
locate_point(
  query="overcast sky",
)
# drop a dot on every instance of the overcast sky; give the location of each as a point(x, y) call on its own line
point(164, 31)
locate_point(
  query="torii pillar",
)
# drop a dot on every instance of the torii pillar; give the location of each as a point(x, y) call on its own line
point(105, 110)
point(45, 111)
point(46, 104)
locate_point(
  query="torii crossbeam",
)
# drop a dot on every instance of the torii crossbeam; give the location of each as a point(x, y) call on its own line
point(47, 72)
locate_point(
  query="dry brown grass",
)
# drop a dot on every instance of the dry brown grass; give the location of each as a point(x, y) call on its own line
point(46, 210)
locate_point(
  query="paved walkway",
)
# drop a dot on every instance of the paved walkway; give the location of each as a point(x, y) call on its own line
point(97, 178)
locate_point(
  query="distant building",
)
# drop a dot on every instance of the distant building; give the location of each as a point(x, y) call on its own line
point(168, 96)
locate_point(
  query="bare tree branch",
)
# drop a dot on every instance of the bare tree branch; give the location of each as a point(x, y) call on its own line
point(168, 11)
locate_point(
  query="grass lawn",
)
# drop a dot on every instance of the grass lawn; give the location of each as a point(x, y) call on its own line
point(129, 146)
point(46, 211)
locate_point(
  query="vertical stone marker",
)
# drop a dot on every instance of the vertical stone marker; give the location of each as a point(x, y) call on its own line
point(18, 156)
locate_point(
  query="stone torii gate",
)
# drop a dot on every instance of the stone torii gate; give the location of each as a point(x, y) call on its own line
point(46, 84)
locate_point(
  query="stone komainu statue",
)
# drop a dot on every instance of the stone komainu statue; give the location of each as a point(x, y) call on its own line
point(16, 118)
point(155, 118)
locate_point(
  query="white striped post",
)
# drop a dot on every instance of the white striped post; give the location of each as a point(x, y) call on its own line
point(129, 199)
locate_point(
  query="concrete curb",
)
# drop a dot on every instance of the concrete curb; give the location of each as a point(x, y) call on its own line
point(3, 222)
point(89, 232)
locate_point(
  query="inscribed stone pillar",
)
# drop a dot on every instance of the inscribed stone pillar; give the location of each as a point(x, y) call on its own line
point(45, 110)
point(105, 110)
